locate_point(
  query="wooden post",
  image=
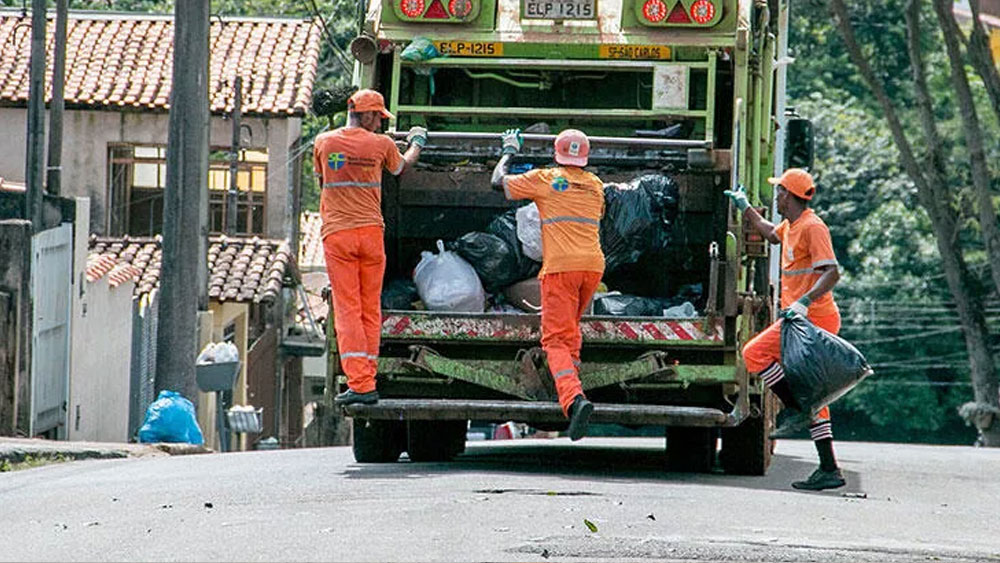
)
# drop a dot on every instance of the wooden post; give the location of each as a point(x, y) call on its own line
point(232, 196)
point(184, 283)
point(33, 170)
point(56, 106)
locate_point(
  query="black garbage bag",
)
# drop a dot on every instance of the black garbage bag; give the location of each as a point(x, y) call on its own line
point(399, 294)
point(820, 366)
point(504, 226)
point(630, 306)
point(492, 258)
point(638, 217)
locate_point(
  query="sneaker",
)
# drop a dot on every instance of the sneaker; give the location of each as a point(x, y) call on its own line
point(351, 397)
point(579, 417)
point(789, 423)
point(820, 480)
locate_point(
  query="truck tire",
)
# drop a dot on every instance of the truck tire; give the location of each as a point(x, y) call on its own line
point(746, 449)
point(691, 450)
point(435, 440)
point(377, 441)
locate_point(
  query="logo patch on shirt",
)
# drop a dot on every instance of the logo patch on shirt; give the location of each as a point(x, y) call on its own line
point(790, 254)
point(336, 160)
point(560, 184)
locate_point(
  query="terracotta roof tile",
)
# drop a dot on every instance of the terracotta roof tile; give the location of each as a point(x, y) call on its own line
point(310, 244)
point(126, 60)
point(242, 269)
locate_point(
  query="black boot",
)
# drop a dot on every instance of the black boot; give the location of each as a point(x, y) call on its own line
point(579, 417)
point(351, 397)
point(821, 480)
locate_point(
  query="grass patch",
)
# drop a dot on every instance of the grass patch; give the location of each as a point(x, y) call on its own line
point(31, 461)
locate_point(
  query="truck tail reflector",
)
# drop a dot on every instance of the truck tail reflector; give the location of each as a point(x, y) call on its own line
point(702, 11)
point(678, 15)
point(436, 11)
point(654, 10)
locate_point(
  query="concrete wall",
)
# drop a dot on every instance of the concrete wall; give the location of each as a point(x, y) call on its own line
point(100, 375)
point(15, 327)
point(87, 133)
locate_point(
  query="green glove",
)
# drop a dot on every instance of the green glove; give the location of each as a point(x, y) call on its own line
point(511, 141)
point(739, 197)
point(417, 136)
point(800, 307)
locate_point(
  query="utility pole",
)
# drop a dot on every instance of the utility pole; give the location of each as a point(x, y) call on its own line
point(234, 158)
point(58, 103)
point(33, 170)
point(183, 281)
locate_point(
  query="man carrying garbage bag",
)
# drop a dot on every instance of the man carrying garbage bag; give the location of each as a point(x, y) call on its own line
point(808, 274)
point(348, 162)
point(570, 205)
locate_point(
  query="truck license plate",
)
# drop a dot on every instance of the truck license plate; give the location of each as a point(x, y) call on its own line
point(560, 9)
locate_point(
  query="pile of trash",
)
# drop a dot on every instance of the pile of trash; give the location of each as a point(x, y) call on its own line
point(495, 269)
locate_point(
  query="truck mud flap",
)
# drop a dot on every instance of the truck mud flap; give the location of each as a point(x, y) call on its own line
point(538, 411)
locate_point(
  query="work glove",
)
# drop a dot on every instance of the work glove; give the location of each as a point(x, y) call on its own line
point(800, 307)
point(739, 197)
point(511, 141)
point(417, 136)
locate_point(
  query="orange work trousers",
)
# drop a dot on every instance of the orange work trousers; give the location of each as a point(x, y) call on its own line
point(355, 262)
point(765, 349)
point(565, 296)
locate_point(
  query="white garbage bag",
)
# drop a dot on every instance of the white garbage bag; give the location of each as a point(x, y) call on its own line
point(446, 282)
point(529, 231)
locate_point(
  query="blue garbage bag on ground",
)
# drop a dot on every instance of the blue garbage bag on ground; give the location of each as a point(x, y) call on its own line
point(820, 366)
point(171, 418)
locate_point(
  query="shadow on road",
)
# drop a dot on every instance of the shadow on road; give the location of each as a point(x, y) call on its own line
point(585, 463)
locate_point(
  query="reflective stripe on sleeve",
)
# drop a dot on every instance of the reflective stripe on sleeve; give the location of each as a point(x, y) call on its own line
point(506, 188)
point(798, 272)
point(345, 355)
point(824, 263)
point(564, 373)
point(399, 170)
point(352, 185)
point(571, 219)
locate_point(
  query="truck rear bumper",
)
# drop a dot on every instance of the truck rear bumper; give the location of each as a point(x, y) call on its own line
point(542, 412)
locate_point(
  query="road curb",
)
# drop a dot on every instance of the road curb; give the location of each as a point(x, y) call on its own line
point(18, 450)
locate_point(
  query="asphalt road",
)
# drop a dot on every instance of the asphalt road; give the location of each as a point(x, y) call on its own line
point(524, 500)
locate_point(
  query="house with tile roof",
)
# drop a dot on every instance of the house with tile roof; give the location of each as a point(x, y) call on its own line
point(117, 98)
point(247, 277)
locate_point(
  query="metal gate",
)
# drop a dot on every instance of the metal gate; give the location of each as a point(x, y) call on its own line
point(51, 290)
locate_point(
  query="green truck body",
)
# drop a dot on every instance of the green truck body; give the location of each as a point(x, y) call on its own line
point(615, 69)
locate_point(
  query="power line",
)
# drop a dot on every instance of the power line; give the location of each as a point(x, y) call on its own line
point(908, 336)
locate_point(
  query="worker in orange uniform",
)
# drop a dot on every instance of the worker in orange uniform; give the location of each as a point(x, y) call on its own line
point(348, 162)
point(808, 274)
point(570, 204)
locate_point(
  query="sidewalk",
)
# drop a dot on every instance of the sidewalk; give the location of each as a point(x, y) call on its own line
point(17, 450)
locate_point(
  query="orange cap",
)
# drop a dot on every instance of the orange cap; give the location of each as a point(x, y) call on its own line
point(797, 181)
point(368, 100)
point(572, 148)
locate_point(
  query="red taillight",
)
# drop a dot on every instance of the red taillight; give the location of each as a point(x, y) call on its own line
point(460, 8)
point(678, 15)
point(654, 10)
point(436, 11)
point(702, 11)
point(412, 8)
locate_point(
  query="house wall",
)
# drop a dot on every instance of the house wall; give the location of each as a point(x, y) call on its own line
point(87, 133)
point(224, 314)
point(100, 376)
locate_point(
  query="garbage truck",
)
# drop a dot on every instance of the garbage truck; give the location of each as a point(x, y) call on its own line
point(692, 90)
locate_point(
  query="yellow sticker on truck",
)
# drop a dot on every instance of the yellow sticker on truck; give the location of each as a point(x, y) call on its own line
point(470, 48)
point(635, 52)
